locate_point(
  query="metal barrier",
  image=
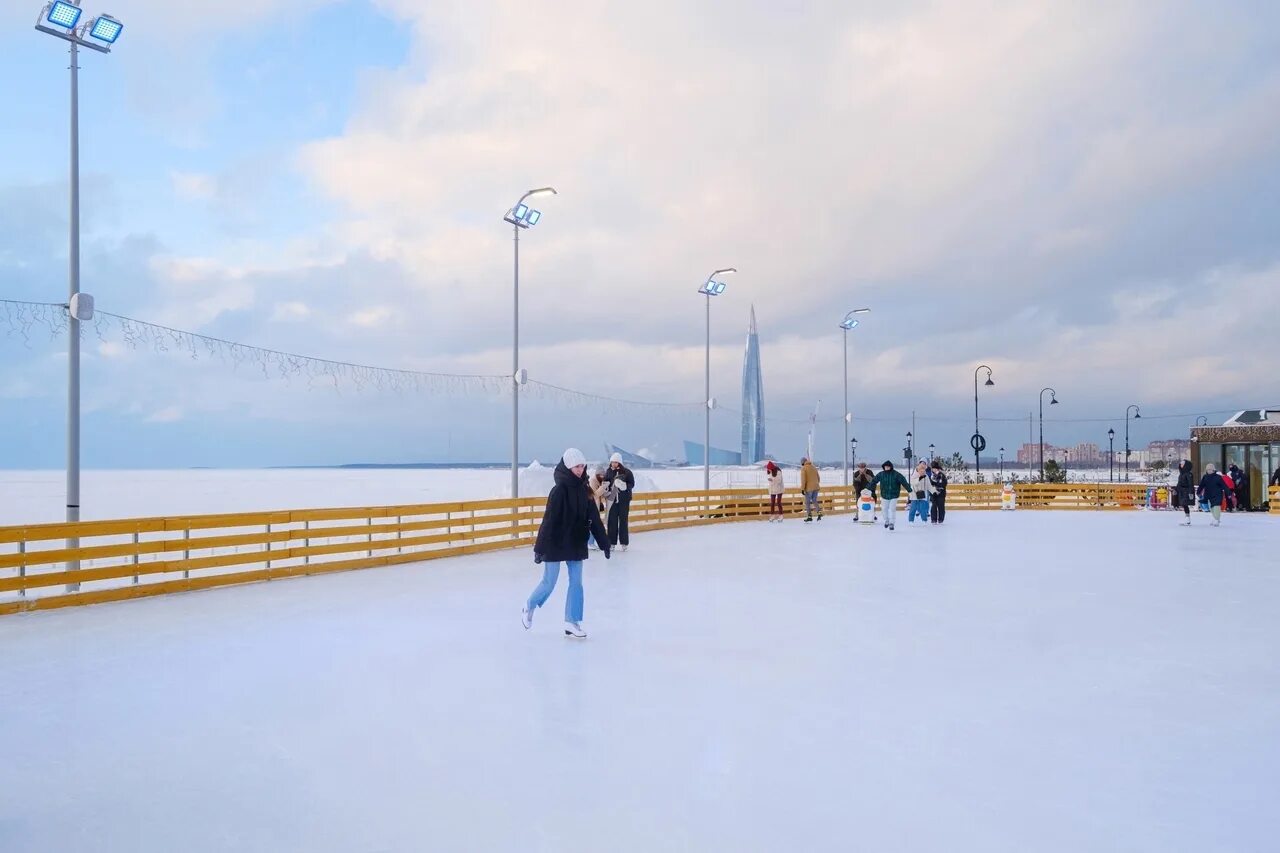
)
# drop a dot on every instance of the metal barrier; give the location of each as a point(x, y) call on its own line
point(133, 558)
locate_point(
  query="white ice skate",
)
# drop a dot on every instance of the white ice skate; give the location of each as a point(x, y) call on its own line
point(526, 616)
point(624, 547)
point(574, 629)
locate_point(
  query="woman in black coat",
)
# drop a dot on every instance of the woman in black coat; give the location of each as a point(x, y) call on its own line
point(570, 517)
point(1184, 491)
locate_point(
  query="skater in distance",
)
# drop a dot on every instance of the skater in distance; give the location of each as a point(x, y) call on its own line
point(570, 518)
point(621, 484)
point(809, 484)
point(774, 474)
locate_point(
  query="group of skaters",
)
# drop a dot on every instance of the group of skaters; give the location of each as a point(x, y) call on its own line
point(1217, 492)
point(571, 519)
point(926, 491)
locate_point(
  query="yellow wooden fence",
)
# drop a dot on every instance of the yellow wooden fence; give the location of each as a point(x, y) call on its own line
point(132, 558)
point(1275, 500)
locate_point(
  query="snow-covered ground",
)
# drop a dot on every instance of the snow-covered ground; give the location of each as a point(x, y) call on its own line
point(994, 684)
point(30, 497)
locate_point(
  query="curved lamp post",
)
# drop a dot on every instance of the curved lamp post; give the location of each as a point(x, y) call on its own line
point(1053, 402)
point(1136, 414)
point(977, 454)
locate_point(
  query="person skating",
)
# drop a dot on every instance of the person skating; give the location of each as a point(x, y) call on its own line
point(809, 484)
point(623, 483)
point(1213, 488)
point(571, 517)
point(774, 475)
point(921, 489)
point(1184, 490)
point(862, 480)
point(890, 483)
point(938, 506)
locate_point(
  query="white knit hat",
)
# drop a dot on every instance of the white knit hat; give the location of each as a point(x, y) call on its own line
point(573, 457)
point(617, 457)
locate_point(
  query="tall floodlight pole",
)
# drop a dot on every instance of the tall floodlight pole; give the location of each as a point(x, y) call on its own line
point(849, 323)
point(521, 216)
point(1136, 414)
point(1053, 402)
point(977, 435)
point(61, 19)
point(709, 288)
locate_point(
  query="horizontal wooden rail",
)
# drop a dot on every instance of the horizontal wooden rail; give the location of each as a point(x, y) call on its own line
point(131, 558)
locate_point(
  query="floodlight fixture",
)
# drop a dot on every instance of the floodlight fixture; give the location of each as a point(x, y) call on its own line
point(63, 14)
point(105, 29)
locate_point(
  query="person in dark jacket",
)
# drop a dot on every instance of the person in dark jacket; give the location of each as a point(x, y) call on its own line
point(1243, 502)
point(623, 483)
point(938, 506)
point(1184, 490)
point(891, 485)
point(1213, 490)
point(570, 517)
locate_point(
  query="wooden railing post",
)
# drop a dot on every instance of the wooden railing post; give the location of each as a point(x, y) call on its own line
point(135, 556)
point(186, 552)
point(369, 537)
point(22, 566)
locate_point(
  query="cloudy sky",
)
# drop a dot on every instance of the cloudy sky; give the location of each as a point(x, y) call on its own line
point(1081, 195)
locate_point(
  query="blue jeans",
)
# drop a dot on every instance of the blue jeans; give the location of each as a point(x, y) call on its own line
point(811, 502)
point(572, 601)
point(919, 507)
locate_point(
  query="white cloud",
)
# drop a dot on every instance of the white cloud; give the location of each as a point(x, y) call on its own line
point(290, 312)
point(167, 415)
point(193, 186)
point(371, 317)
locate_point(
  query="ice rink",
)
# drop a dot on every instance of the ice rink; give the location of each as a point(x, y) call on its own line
point(1006, 682)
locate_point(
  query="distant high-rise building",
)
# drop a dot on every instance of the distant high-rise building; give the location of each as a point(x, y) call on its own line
point(752, 398)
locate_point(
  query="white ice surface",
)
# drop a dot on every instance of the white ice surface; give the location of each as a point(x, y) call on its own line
point(1007, 682)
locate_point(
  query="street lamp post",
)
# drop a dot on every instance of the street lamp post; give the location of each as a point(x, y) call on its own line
point(521, 216)
point(710, 288)
point(1053, 402)
point(977, 453)
point(1002, 464)
point(907, 452)
point(61, 20)
point(1136, 414)
point(931, 454)
point(1111, 453)
point(853, 450)
point(849, 323)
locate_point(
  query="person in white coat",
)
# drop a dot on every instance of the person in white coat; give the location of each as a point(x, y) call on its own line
point(921, 488)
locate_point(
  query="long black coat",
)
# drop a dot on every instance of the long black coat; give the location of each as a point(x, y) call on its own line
point(1185, 489)
point(571, 516)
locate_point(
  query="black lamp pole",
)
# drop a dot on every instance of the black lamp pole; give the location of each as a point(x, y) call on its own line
point(1136, 414)
point(1053, 402)
point(1111, 453)
point(977, 454)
